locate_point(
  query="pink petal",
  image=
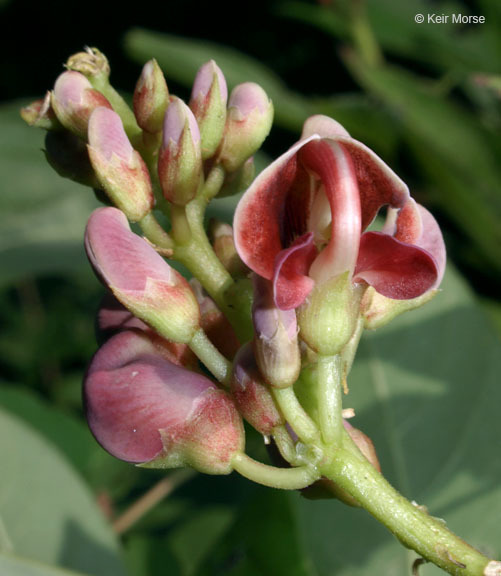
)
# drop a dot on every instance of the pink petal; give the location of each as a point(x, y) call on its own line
point(331, 163)
point(291, 283)
point(121, 258)
point(132, 393)
point(395, 269)
point(107, 135)
point(259, 218)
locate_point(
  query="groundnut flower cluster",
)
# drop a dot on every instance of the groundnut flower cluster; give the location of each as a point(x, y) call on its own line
point(263, 325)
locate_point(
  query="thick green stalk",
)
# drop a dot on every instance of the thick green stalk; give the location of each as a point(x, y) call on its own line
point(330, 407)
point(416, 529)
point(210, 356)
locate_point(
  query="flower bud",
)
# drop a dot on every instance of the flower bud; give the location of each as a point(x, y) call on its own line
point(252, 397)
point(139, 277)
point(40, 114)
point(378, 310)
point(224, 247)
point(112, 318)
point(74, 100)
point(208, 103)
point(237, 182)
point(180, 159)
point(151, 98)
point(248, 122)
point(276, 345)
point(146, 410)
point(328, 318)
point(119, 168)
point(214, 323)
point(68, 155)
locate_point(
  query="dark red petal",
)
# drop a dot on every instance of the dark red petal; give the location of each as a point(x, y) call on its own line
point(291, 284)
point(395, 269)
point(378, 184)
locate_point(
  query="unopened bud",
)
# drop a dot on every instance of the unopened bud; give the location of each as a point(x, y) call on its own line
point(113, 317)
point(139, 277)
point(276, 344)
point(328, 318)
point(40, 114)
point(378, 310)
point(151, 98)
point(238, 181)
point(248, 122)
point(208, 103)
point(180, 159)
point(74, 99)
point(69, 157)
point(119, 168)
point(224, 246)
point(92, 63)
point(146, 410)
point(252, 396)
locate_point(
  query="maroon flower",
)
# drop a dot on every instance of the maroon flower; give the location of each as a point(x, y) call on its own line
point(304, 220)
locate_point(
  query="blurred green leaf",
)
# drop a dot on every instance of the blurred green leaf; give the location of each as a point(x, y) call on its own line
point(451, 148)
point(42, 216)
point(48, 513)
point(439, 46)
point(12, 566)
point(426, 389)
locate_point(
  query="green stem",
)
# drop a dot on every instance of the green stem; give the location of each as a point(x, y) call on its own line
point(330, 404)
point(295, 414)
point(155, 233)
point(417, 530)
point(210, 356)
point(283, 478)
point(214, 181)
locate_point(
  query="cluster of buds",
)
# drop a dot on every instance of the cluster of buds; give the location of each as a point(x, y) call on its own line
point(267, 328)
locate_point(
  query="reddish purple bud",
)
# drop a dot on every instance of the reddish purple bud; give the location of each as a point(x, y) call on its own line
point(248, 122)
point(252, 396)
point(146, 410)
point(74, 99)
point(276, 344)
point(139, 277)
point(151, 97)
point(208, 103)
point(119, 168)
point(180, 159)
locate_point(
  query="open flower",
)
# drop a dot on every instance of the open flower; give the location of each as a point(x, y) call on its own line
point(304, 221)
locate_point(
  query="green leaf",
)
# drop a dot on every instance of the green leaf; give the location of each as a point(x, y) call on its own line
point(42, 216)
point(181, 58)
point(48, 513)
point(450, 147)
point(426, 390)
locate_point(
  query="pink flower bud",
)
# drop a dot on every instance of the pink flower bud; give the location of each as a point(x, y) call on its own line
point(180, 159)
point(249, 120)
point(119, 168)
point(252, 396)
point(208, 103)
point(276, 345)
point(74, 99)
point(224, 247)
point(113, 317)
point(146, 410)
point(151, 97)
point(40, 114)
point(139, 277)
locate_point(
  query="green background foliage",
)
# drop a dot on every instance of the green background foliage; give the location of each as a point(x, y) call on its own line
point(424, 388)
